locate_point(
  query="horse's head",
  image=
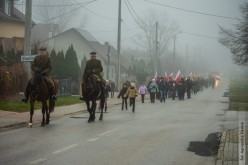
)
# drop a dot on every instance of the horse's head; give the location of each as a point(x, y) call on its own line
point(91, 86)
point(37, 85)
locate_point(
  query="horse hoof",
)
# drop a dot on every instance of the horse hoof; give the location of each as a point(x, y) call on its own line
point(100, 118)
point(47, 122)
point(89, 121)
point(30, 125)
point(42, 124)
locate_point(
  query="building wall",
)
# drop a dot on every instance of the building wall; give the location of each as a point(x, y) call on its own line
point(10, 29)
point(81, 47)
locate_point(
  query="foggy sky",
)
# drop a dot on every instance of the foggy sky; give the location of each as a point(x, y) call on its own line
point(195, 26)
point(103, 14)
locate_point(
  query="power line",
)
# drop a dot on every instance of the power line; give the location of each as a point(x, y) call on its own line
point(199, 35)
point(96, 13)
point(70, 11)
point(191, 11)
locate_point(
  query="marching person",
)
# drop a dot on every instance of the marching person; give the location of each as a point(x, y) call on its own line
point(122, 95)
point(142, 91)
point(93, 66)
point(153, 88)
point(161, 87)
point(132, 93)
point(42, 65)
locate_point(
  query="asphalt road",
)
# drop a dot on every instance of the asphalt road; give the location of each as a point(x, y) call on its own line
point(156, 134)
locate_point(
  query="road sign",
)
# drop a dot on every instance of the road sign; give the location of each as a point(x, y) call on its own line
point(26, 58)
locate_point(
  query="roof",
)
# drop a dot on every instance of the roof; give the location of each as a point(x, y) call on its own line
point(100, 49)
point(16, 17)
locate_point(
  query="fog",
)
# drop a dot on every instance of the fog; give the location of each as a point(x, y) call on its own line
point(197, 20)
point(199, 31)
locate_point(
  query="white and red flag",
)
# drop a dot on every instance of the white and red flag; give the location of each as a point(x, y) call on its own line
point(178, 76)
point(191, 75)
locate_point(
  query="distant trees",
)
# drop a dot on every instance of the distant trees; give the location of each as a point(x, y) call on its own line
point(154, 25)
point(65, 65)
point(237, 41)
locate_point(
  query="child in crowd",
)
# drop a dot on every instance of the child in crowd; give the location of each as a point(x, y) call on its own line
point(122, 95)
point(132, 93)
point(142, 91)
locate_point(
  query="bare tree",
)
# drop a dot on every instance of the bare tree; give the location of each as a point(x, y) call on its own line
point(60, 12)
point(165, 31)
point(237, 41)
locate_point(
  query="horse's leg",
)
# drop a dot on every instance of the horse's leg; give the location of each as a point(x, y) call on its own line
point(93, 109)
point(89, 110)
point(47, 113)
point(105, 104)
point(102, 103)
point(43, 114)
point(31, 114)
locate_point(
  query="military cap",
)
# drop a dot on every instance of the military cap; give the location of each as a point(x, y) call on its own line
point(93, 53)
point(42, 49)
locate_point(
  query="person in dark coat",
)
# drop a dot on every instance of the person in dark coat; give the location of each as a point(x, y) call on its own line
point(161, 87)
point(122, 96)
point(42, 65)
point(93, 66)
point(188, 87)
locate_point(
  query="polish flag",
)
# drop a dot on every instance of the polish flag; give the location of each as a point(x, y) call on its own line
point(156, 75)
point(178, 76)
point(191, 75)
point(165, 74)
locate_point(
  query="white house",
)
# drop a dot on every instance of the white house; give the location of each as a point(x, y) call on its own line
point(84, 43)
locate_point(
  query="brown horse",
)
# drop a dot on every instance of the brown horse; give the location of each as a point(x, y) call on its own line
point(39, 91)
point(93, 92)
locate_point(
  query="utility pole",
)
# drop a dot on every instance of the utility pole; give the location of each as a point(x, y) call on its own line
point(28, 26)
point(108, 55)
point(174, 53)
point(156, 49)
point(118, 46)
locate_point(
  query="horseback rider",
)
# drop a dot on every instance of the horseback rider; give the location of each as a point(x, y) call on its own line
point(93, 66)
point(42, 65)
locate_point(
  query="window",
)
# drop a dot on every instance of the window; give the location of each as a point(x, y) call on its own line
point(7, 8)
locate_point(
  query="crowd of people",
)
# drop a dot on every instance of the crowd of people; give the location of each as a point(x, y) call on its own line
point(163, 88)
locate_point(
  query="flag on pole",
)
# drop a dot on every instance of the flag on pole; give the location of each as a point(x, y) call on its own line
point(171, 74)
point(178, 76)
point(156, 74)
point(191, 75)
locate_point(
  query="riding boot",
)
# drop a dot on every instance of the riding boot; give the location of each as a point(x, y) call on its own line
point(26, 93)
point(82, 96)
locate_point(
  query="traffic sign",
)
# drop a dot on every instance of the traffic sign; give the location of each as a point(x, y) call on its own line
point(26, 58)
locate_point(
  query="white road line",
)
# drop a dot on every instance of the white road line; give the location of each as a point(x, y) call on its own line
point(38, 161)
point(92, 139)
point(117, 128)
point(64, 149)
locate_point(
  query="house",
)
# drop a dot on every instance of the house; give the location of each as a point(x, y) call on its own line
point(84, 43)
point(12, 26)
point(41, 32)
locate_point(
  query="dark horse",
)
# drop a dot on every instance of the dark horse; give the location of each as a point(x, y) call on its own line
point(39, 91)
point(92, 92)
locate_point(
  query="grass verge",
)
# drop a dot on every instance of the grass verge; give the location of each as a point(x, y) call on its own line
point(238, 94)
point(16, 105)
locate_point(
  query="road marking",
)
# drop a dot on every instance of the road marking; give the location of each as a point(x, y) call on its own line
point(92, 139)
point(38, 161)
point(117, 128)
point(64, 149)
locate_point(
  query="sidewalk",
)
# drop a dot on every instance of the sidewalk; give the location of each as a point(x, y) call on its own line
point(14, 120)
point(234, 140)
